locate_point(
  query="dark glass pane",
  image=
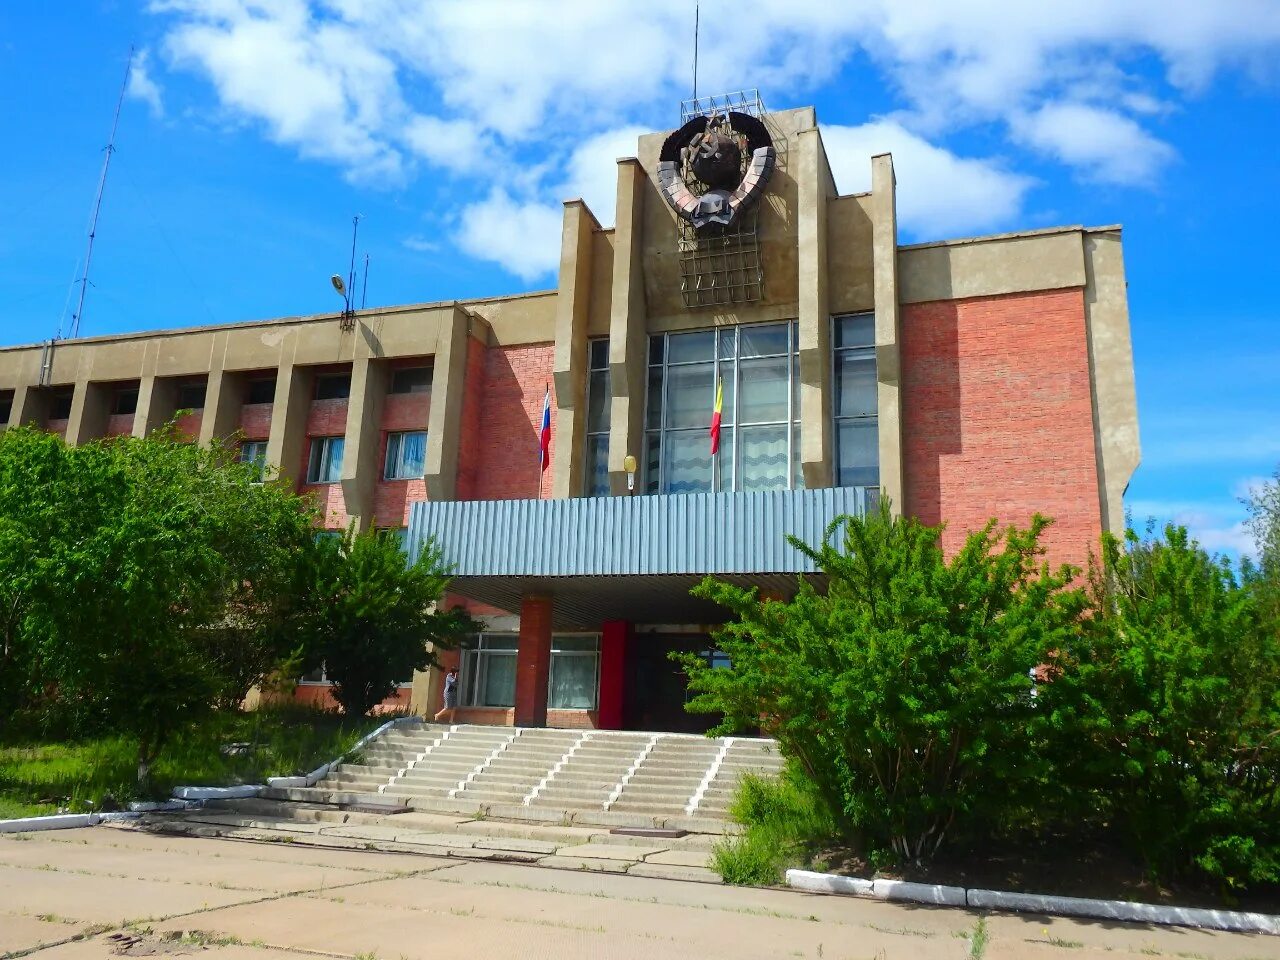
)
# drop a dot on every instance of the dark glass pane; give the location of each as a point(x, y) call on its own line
point(730, 386)
point(333, 386)
point(409, 380)
point(652, 463)
point(657, 348)
point(797, 469)
point(765, 390)
point(858, 453)
point(261, 391)
point(60, 405)
point(598, 401)
point(724, 462)
point(855, 385)
point(691, 347)
point(598, 351)
point(596, 481)
point(653, 416)
point(6, 406)
point(763, 340)
point(190, 396)
point(126, 401)
point(856, 331)
point(690, 396)
point(727, 337)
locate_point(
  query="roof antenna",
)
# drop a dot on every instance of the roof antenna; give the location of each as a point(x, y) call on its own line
point(695, 52)
point(364, 287)
point(97, 205)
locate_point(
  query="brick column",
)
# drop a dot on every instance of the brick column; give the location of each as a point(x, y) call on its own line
point(533, 660)
point(613, 660)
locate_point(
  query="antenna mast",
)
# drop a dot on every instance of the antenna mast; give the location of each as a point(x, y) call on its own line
point(97, 204)
point(364, 287)
point(696, 11)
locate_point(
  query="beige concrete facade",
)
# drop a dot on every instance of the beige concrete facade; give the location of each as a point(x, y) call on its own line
point(823, 255)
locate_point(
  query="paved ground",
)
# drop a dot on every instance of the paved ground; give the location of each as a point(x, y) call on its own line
point(103, 892)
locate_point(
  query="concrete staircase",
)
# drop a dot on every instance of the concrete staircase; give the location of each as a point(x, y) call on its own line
point(596, 776)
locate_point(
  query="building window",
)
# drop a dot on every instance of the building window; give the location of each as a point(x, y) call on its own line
point(406, 456)
point(60, 404)
point(758, 367)
point(857, 430)
point(399, 534)
point(411, 380)
point(6, 406)
point(125, 401)
point(574, 681)
point(333, 386)
point(261, 391)
point(190, 396)
point(488, 675)
point(326, 460)
point(255, 452)
point(595, 480)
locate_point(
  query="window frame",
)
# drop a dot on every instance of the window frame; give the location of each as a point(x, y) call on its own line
point(322, 378)
point(726, 367)
point(398, 437)
point(862, 351)
point(401, 371)
point(314, 462)
point(257, 382)
point(602, 434)
point(473, 667)
point(259, 461)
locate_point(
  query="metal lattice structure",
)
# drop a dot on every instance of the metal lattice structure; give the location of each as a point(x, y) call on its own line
point(721, 266)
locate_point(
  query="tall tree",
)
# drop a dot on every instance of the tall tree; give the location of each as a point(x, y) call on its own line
point(372, 614)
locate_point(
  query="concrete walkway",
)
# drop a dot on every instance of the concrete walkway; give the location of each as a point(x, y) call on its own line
point(103, 892)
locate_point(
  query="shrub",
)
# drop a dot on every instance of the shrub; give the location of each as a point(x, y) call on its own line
point(902, 692)
point(783, 821)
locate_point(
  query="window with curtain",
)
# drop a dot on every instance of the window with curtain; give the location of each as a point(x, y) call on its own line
point(857, 424)
point(488, 674)
point(575, 673)
point(406, 455)
point(595, 481)
point(757, 366)
point(326, 460)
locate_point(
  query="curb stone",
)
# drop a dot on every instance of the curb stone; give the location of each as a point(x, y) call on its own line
point(63, 821)
point(1122, 910)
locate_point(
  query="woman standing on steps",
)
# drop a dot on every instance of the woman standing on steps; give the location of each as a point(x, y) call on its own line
point(450, 695)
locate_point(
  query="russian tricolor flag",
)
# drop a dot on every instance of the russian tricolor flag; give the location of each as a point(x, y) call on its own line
point(544, 435)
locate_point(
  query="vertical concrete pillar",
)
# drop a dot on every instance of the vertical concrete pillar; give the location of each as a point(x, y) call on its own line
point(89, 411)
point(533, 660)
point(289, 410)
point(361, 466)
point(157, 400)
point(573, 301)
point(223, 399)
point(448, 391)
point(815, 186)
point(614, 639)
point(30, 406)
point(628, 364)
point(884, 263)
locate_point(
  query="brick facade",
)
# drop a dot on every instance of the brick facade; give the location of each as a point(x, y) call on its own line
point(255, 420)
point(998, 417)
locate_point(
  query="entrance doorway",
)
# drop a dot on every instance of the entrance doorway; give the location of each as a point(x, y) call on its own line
point(656, 689)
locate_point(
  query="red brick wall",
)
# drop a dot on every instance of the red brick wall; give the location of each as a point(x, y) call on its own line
point(326, 418)
point(255, 420)
point(502, 413)
point(997, 417)
point(58, 427)
point(188, 425)
point(119, 425)
point(318, 694)
point(393, 498)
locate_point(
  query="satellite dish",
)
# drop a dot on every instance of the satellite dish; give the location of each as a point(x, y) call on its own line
point(338, 285)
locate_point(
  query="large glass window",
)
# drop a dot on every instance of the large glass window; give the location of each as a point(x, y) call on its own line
point(406, 455)
point(488, 674)
point(758, 371)
point(856, 422)
point(411, 380)
point(333, 386)
point(326, 460)
point(255, 452)
point(595, 481)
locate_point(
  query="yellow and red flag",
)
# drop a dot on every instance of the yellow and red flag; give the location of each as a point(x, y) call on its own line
point(715, 418)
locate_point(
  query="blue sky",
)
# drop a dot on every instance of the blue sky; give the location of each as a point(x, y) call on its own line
point(254, 129)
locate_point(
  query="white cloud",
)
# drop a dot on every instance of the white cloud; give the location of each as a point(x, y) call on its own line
point(1102, 144)
point(420, 244)
point(523, 237)
point(1218, 526)
point(455, 145)
point(939, 193)
point(142, 86)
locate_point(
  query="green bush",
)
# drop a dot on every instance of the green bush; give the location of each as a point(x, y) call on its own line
point(902, 692)
point(783, 823)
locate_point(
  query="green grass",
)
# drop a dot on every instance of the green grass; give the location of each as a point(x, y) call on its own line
point(783, 824)
point(42, 777)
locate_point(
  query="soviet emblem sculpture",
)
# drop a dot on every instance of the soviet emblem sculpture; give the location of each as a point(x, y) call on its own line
point(713, 168)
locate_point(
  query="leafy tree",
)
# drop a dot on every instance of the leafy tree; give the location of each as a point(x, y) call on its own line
point(1264, 523)
point(372, 615)
point(132, 565)
point(902, 690)
point(1176, 684)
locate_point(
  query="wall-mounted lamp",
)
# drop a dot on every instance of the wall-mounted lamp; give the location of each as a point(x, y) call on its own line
point(629, 465)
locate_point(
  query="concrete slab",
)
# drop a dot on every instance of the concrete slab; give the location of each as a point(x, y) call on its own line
point(666, 871)
point(517, 843)
point(610, 851)
point(27, 933)
point(580, 863)
point(680, 858)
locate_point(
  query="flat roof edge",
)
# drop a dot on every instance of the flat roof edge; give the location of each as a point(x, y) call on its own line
point(1018, 235)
